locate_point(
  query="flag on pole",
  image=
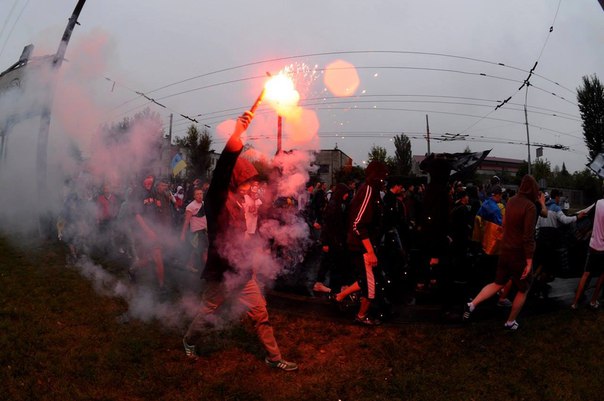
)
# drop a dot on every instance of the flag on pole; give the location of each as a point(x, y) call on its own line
point(597, 165)
point(464, 164)
point(178, 164)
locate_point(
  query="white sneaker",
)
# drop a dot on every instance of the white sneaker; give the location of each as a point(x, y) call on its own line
point(320, 287)
point(504, 303)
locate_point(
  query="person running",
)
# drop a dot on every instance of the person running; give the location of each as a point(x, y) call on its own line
point(364, 233)
point(518, 245)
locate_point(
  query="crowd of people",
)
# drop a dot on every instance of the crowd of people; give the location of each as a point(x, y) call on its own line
point(380, 241)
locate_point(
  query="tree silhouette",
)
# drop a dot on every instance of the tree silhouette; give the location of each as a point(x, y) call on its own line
point(197, 146)
point(402, 155)
point(591, 105)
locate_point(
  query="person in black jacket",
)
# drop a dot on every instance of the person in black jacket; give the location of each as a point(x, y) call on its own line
point(333, 241)
point(364, 234)
point(229, 272)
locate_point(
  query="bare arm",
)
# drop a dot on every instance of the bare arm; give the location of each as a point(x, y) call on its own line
point(234, 143)
point(185, 224)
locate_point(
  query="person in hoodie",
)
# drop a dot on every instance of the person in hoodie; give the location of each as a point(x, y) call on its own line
point(334, 259)
point(228, 274)
point(518, 245)
point(145, 219)
point(364, 233)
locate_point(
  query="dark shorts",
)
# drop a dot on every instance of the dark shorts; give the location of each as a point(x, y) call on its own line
point(511, 266)
point(594, 263)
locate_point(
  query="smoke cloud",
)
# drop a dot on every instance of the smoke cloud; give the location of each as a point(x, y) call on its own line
point(87, 154)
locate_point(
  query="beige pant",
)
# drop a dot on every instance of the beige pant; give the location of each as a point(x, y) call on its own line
point(249, 296)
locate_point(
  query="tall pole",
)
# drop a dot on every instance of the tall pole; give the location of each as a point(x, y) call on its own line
point(428, 133)
point(279, 132)
point(528, 141)
point(42, 147)
point(45, 119)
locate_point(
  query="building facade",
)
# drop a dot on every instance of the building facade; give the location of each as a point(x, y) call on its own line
point(329, 162)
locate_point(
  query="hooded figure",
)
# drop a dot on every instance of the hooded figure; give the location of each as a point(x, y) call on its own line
point(364, 233)
point(437, 203)
point(518, 244)
point(520, 219)
point(333, 238)
point(229, 271)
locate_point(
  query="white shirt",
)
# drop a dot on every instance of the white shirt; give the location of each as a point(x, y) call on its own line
point(250, 209)
point(197, 223)
point(597, 234)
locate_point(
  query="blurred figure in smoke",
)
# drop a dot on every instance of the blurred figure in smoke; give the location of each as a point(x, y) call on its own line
point(225, 278)
point(165, 202)
point(108, 209)
point(146, 211)
point(68, 225)
point(251, 207)
point(179, 197)
point(364, 233)
point(195, 218)
point(125, 232)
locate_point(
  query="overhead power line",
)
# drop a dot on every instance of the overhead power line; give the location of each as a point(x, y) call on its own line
point(336, 53)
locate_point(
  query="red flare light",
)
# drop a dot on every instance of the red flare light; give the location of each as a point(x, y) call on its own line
point(281, 93)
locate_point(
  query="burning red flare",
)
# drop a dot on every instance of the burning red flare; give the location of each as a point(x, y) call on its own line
point(281, 93)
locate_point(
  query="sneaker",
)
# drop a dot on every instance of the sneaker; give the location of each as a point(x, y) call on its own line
point(367, 321)
point(320, 287)
point(574, 306)
point(511, 326)
point(594, 305)
point(504, 303)
point(189, 349)
point(281, 364)
point(467, 313)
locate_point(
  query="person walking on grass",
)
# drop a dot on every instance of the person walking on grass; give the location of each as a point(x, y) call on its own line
point(594, 265)
point(148, 231)
point(364, 233)
point(225, 279)
point(518, 245)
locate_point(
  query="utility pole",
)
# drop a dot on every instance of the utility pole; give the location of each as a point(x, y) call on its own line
point(45, 118)
point(279, 132)
point(170, 129)
point(528, 141)
point(428, 133)
point(42, 147)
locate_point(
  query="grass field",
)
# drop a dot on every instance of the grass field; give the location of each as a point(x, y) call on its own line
point(60, 340)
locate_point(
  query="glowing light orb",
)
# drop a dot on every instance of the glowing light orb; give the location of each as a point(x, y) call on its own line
point(341, 78)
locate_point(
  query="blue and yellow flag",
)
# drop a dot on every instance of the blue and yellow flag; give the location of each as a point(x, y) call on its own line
point(178, 164)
